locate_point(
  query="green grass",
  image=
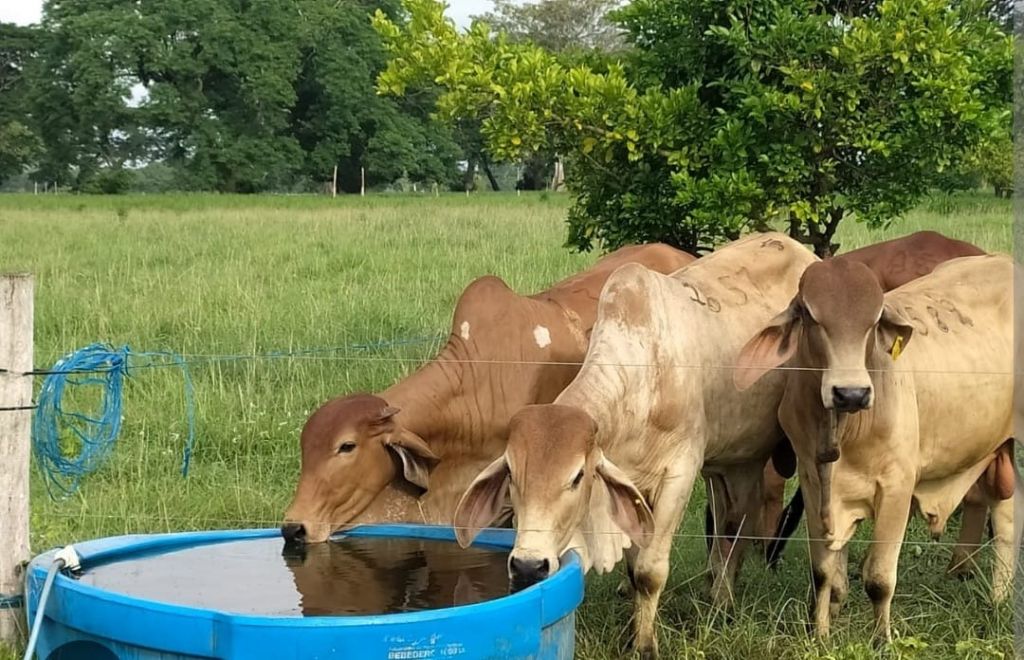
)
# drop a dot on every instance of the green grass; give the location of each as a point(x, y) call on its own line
point(209, 274)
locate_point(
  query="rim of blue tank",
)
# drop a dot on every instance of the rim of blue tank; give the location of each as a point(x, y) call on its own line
point(555, 597)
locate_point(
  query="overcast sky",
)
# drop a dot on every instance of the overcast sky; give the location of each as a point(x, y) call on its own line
point(29, 11)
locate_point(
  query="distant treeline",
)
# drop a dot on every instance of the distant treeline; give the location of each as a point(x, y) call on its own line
point(223, 95)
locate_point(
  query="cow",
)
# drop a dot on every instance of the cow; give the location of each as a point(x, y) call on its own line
point(406, 454)
point(613, 460)
point(876, 438)
point(894, 262)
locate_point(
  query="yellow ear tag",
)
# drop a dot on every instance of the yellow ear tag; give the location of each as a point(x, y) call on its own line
point(897, 348)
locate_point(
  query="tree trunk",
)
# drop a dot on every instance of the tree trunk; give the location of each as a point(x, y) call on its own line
point(486, 167)
point(817, 236)
point(469, 179)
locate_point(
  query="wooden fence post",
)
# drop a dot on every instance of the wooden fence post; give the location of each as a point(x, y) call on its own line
point(334, 183)
point(15, 429)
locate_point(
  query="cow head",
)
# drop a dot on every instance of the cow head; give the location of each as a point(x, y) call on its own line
point(551, 468)
point(352, 449)
point(837, 319)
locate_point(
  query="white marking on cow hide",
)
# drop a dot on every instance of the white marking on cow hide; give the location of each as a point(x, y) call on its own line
point(542, 336)
point(464, 330)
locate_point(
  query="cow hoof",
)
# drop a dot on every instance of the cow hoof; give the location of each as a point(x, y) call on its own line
point(961, 568)
point(648, 653)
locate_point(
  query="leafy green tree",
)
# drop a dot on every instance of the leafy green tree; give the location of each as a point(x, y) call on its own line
point(239, 96)
point(729, 114)
point(993, 161)
point(79, 94)
point(558, 25)
point(19, 145)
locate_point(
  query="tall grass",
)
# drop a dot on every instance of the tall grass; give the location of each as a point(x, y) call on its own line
point(209, 274)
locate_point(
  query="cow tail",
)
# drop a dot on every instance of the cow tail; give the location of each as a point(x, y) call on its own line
point(788, 523)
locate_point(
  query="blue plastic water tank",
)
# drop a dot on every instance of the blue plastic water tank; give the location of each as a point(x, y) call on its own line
point(84, 622)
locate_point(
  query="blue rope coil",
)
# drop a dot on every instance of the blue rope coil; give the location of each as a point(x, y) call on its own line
point(93, 434)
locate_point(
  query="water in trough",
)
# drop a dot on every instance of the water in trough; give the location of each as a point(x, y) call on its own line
point(350, 576)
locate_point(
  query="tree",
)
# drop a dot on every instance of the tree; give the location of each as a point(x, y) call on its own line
point(558, 25)
point(993, 161)
point(238, 96)
point(579, 30)
point(19, 145)
point(80, 91)
point(729, 114)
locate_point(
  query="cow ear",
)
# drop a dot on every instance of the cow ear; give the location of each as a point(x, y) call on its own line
point(629, 510)
point(384, 416)
point(894, 331)
point(416, 457)
point(770, 348)
point(482, 502)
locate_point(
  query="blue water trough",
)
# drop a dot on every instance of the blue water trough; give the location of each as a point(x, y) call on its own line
point(85, 621)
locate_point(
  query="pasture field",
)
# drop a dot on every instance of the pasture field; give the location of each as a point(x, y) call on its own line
point(222, 275)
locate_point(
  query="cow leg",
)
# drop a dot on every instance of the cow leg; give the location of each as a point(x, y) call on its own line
point(737, 501)
point(1006, 541)
point(972, 526)
point(771, 507)
point(840, 582)
point(824, 565)
point(650, 572)
point(627, 587)
point(883, 558)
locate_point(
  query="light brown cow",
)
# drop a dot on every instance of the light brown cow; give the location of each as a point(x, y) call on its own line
point(894, 262)
point(650, 409)
point(408, 453)
point(875, 437)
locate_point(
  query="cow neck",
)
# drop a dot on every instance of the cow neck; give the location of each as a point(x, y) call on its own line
point(823, 426)
point(394, 504)
point(422, 402)
point(433, 401)
point(599, 392)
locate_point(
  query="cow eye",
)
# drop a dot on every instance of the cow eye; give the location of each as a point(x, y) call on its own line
point(578, 480)
point(346, 447)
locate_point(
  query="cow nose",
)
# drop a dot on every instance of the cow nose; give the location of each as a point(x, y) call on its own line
point(851, 399)
point(294, 532)
point(529, 571)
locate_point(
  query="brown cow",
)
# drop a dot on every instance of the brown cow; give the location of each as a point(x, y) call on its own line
point(877, 438)
point(365, 461)
point(894, 262)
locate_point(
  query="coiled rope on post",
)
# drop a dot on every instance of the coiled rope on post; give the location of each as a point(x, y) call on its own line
point(69, 444)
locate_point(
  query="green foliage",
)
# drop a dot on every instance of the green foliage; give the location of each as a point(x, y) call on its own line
point(19, 145)
point(110, 181)
point(994, 164)
point(729, 115)
point(238, 97)
point(558, 25)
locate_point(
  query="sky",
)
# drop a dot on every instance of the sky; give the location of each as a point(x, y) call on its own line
point(24, 12)
point(21, 12)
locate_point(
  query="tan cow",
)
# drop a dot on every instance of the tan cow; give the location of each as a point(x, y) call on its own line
point(894, 262)
point(408, 453)
point(876, 437)
point(649, 409)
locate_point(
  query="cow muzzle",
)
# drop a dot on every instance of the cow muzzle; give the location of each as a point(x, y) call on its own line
point(527, 572)
point(851, 399)
point(294, 533)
